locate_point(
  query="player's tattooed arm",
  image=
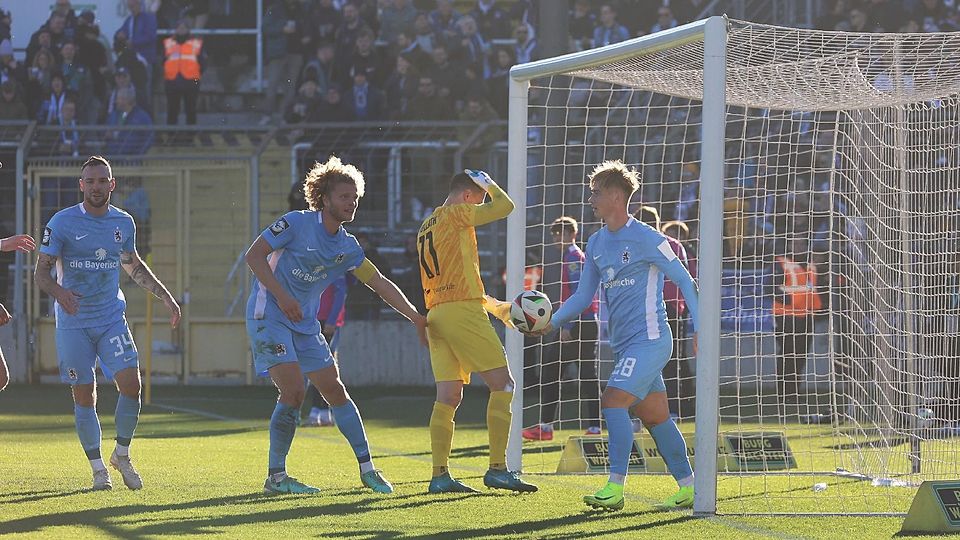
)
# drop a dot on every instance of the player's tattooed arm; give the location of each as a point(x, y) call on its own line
point(142, 275)
point(68, 300)
point(147, 280)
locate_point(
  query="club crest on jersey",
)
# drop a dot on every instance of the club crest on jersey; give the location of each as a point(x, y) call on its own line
point(47, 233)
point(279, 226)
point(625, 256)
point(117, 236)
point(340, 258)
point(280, 349)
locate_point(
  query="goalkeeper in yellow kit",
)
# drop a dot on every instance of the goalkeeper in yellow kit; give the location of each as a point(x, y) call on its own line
point(462, 340)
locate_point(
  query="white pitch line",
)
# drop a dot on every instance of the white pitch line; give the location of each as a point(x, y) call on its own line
point(720, 520)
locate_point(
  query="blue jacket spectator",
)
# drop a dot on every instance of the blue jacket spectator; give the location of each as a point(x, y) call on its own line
point(609, 30)
point(493, 22)
point(140, 27)
point(396, 17)
point(443, 20)
point(127, 113)
point(50, 108)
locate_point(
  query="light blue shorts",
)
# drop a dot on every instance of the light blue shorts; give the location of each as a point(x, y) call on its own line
point(273, 343)
point(79, 349)
point(639, 368)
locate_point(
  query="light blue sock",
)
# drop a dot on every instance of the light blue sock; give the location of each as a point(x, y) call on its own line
point(88, 429)
point(348, 420)
point(621, 440)
point(127, 415)
point(672, 448)
point(283, 425)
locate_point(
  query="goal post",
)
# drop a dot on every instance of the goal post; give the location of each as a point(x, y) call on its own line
point(712, 32)
point(797, 166)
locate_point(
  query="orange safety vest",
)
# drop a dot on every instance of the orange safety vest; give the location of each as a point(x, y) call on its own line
point(800, 283)
point(182, 59)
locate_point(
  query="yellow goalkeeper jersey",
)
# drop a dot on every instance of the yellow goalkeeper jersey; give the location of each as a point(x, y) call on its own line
point(447, 247)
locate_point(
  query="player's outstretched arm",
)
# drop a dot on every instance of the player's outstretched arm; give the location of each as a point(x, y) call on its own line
point(147, 280)
point(42, 275)
point(500, 204)
point(20, 242)
point(578, 301)
point(392, 295)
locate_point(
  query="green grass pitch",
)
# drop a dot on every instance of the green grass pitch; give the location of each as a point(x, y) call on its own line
point(202, 454)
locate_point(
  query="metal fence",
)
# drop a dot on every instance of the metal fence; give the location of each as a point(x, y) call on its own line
point(201, 194)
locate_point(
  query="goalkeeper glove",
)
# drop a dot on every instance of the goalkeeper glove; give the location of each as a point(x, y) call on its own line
point(480, 178)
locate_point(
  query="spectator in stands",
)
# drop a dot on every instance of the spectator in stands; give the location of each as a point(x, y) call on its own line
point(887, 15)
point(324, 21)
point(50, 109)
point(499, 82)
point(282, 33)
point(837, 14)
point(349, 29)
point(428, 103)
point(9, 68)
point(121, 80)
point(306, 105)
point(473, 48)
point(6, 23)
point(39, 76)
point(41, 40)
point(129, 61)
point(526, 47)
point(931, 12)
point(68, 139)
point(11, 106)
point(367, 58)
point(406, 46)
point(367, 100)
point(447, 76)
point(78, 82)
point(492, 22)
point(857, 21)
point(796, 298)
point(140, 29)
point(401, 84)
point(182, 68)
point(321, 68)
point(477, 110)
point(581, 25)
point(443, 21)
point(395, 17)
point(92, 54)
point(333, 109)
point(665, 20)
point(609, 30)
point(424, 36)
point(128, 113)
point(65, 9)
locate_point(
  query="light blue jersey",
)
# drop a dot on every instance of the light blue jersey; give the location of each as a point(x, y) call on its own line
point(88, 251)
point(305, 260)
point(628, 265)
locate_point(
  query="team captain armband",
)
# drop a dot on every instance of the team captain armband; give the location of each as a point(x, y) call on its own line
point(365, 271)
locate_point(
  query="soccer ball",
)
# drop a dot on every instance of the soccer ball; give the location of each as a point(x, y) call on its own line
point(530, 311)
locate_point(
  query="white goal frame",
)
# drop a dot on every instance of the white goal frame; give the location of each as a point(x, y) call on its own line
point(713, 33)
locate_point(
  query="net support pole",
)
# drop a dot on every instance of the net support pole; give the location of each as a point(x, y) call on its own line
point(148, 333)
point(709, 258)
point(516, 250)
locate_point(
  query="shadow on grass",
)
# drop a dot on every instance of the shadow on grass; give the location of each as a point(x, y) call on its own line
point(32, 496)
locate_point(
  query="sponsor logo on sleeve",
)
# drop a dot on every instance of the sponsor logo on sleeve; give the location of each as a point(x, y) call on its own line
point(340, 258)
point(279, 226)
point(280, 349)
point(47, 233)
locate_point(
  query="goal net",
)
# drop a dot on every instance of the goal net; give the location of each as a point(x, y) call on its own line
point(839, 353)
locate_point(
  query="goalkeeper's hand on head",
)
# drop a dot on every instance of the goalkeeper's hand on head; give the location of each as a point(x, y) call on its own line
point(480, 178)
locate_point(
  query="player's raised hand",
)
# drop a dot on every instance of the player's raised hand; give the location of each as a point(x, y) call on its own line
point(174, 308)
point(421, 323)
point(69, 301)
point(290, 307)
point(20, 242)
point(480, 178)
point(4, 315)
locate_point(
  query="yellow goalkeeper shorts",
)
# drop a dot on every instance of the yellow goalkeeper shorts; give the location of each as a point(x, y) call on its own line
point(462, 341)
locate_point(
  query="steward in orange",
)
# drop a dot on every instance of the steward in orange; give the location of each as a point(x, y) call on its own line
point(181, 72)
point(796, 299)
